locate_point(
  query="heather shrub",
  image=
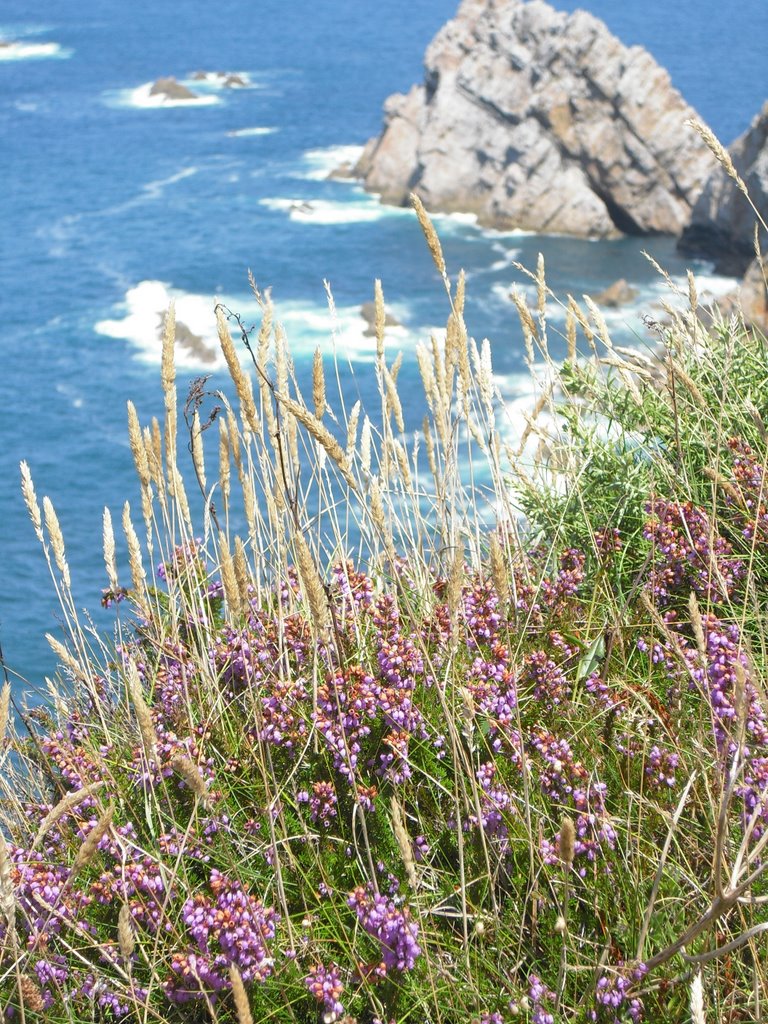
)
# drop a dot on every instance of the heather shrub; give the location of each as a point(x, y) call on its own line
point(412, 721)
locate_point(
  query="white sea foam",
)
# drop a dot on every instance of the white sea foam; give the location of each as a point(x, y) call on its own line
point(308, 324)
point(652, 298)
point(221, 80)
point(319, 164)
point(71, 394)
point(347, 334)
point(155, 189)
point(513, 233)
point(361, 208)
point(710, 286)
point(145, 307)
point(519, 394)
point(630, 318)
point(141, 99)
point(20, 50)
point(242, 133)
point(506, 257)
point(467, 219)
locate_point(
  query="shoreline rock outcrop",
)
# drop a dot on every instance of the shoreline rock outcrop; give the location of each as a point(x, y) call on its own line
point(534, 119)
point(722, 225)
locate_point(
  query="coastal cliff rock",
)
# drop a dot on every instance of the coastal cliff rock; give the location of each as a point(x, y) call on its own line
point(722, 226)
point(535, 119)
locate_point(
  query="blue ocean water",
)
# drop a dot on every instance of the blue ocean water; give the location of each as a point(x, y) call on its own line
point(111, 205)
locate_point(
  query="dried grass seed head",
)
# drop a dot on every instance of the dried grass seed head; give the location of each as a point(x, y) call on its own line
point(240, 996)
point(57, 539)
point(718, 150)
point(137, 446)
point(186, 768)
point(108, 538)
point(88, 850)
point(30, 500)
point(567, 840)
point(126, 935)
point(7, 888)
point(428, 228)
point(314, 592)
point(198, 455)
point(318, 384)
point(5, 710)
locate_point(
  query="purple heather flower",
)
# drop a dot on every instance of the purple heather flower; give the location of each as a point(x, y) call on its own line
point(390, 925)
point(539, 994)
point(231, 928)
point(688, 554)
point(326, 986)
point(613, 990)
point(322, 804)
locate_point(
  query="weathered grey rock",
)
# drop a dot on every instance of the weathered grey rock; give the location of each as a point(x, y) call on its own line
point(171, 89)
point(722, 226)
point(617, 294)
point(539, 120)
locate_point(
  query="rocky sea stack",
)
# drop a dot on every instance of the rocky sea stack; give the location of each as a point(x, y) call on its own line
point(543, 121)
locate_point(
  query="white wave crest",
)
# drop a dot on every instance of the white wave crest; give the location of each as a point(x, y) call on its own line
point(319, 164)
point(506, 257)
point(242, 133)
point(629, 320)
point(18, 50)
point(346, 334)
point(457, 218)
point(362, 208)
point(308, 324)
point(220, 80)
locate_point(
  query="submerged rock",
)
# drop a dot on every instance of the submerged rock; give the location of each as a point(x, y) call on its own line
point(192, 344)
point(535, 119)
point(617, 294)
point(722, 226)
point(368, 313)
point(172, 89)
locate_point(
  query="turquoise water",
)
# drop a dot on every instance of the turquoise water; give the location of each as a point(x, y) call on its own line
point(109, 206)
